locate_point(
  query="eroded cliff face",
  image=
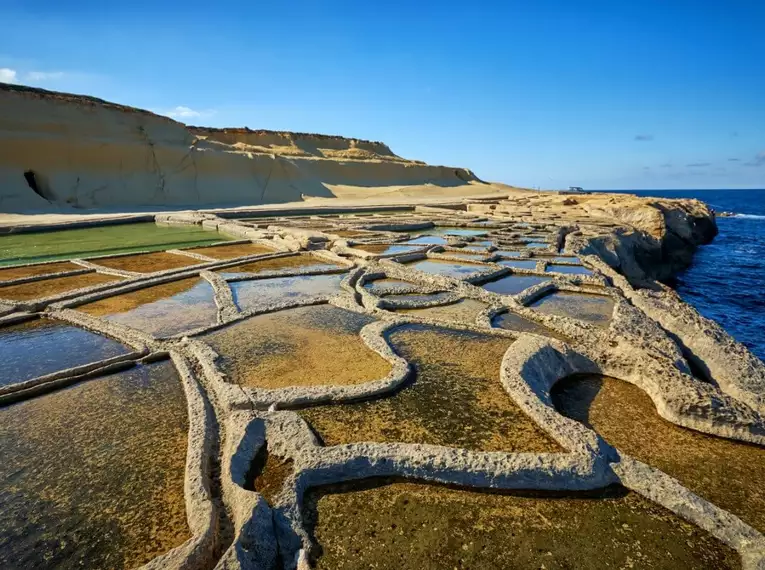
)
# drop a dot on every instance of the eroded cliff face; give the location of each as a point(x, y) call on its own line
point(60, 151)
point(300, 144)
point(643, 238)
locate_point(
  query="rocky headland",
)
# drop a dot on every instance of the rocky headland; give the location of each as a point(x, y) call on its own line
point(382, 363)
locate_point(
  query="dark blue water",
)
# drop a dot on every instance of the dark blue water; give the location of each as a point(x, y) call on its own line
point(727, 279)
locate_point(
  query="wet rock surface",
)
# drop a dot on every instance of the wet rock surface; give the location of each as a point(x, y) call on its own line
point(162, 310)
point(43, 346)
point(427, 526)
point(718, 469)
point(324, 350)
point(93, 475)
point(317, 345)
point(455, 399)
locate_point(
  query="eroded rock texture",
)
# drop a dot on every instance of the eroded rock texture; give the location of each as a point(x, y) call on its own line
point(312, 394)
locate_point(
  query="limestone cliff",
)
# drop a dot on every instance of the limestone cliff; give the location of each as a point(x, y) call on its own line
point(60, 151)
point(643, 238)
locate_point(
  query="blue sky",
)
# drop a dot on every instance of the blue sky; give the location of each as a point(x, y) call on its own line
point(599, 94)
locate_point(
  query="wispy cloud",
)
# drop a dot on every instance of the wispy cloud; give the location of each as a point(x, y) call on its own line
point(698, 164)
point(8, 75)
point(44, 75)
point(183, 112)
point(734, 160)
point(666, 165)
point(758, 160)
point(643, 137)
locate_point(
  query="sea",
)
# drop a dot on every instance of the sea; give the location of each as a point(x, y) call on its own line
point(726, 281)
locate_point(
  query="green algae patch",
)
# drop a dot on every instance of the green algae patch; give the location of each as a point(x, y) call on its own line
point(303, 262)
point(148, 262)
point(463, 311)
point(54, 286)
point(397, 525)
point(306, 346)
point(43, 346)
point(232, 251)
point(160, 310)
point(727, 473)
point(249, 295)
point(37, 270)
point(595, 309)
point(456, 399)
point(16, 249)
point(93, 475)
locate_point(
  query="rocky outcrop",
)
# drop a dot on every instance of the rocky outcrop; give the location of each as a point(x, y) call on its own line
point(60, 152)
point(300, 144)
point(643, 238)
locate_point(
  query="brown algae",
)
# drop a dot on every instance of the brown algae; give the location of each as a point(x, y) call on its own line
point(306, 346)
point(42, 346)
point(268, 473)
point(147, 262)
point(398, 525)
point(727, 473)
point(160, 310)
point(595, 309)
point(37, 270)
point(232, 251)
point(456, 399)
point(93, 475)
point(54, 286)
point(301, 262)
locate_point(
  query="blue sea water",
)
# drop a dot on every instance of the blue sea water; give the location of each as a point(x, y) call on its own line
point(726, 281)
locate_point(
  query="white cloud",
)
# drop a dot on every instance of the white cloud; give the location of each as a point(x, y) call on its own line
point(8, 75)
point(182, 112)
point(44, 75)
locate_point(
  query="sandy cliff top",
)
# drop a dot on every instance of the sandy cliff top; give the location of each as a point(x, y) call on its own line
point(61, 152)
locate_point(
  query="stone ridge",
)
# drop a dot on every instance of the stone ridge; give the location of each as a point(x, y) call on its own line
point(637, 346)
point(200, 130)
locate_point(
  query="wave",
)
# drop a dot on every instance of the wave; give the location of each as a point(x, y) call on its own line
point(750, 216)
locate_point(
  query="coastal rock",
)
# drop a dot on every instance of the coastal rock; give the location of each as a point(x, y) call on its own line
point(644, 238)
